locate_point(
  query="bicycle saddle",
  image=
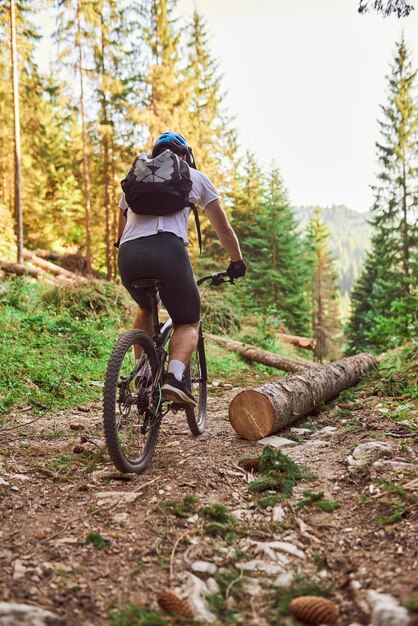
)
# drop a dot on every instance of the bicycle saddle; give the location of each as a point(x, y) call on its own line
point(147, 284)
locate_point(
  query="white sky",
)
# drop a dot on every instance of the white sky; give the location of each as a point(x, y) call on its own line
point(304, 80)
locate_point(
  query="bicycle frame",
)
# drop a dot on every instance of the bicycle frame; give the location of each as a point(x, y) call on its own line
point(162, 332)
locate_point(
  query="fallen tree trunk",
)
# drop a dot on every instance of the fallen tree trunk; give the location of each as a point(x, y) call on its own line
point(52, 268)
point(300, 342)
point(263, 356)
point(262, 411)
point(20, 269)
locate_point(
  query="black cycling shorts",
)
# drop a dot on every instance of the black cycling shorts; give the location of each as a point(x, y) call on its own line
point(165, 258)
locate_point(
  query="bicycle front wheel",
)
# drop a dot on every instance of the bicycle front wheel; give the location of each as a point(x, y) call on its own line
point(130, 403)
point(196, 379)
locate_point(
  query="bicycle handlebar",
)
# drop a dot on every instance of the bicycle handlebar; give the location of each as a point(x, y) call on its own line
point(216, 279)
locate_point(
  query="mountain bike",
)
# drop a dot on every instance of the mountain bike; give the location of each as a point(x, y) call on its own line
point(133, 407)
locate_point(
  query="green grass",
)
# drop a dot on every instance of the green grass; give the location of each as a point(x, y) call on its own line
point(96, 540)
point(278, 475)
point(395, 514)
point(131, 615)
point(55, 343)
point(397, 375)
point(318, 500)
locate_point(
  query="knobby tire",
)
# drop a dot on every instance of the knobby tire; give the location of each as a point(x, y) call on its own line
point(196, 379)
point(112, 427)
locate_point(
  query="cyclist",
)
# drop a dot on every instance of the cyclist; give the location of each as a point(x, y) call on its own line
point(155, 247)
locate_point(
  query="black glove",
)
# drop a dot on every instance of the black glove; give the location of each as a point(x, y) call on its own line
point(236, 269)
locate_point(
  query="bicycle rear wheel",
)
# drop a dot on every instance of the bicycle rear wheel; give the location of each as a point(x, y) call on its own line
point(130, 403)
point(196, 379)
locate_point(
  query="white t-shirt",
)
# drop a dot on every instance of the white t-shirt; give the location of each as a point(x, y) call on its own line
point(202, 192)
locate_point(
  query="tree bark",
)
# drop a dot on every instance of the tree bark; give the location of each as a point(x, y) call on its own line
point(262, 411)
point(263, 356)
point(300, 342)
point(16, 114)
point(86, 175)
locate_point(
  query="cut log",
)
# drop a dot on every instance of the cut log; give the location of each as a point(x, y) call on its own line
point(262, 411)
point(20, 269)
point(300, 342)
point(263, 356)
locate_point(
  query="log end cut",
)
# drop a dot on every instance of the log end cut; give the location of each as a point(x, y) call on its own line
point(251, 415)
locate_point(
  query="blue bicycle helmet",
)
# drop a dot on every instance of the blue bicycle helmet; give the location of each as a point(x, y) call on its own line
point(175, 142)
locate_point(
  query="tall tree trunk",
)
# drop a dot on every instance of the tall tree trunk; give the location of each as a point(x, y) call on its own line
point(405, 242)
point(15, 84)
point(106, 151)
point(115, 210)
point(86, 175)
point(257, 413)
point(319, 330)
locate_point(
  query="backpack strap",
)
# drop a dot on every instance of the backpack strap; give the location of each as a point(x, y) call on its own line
point(196, 219)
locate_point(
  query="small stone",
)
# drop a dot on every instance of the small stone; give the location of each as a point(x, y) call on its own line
point(325, 433)
point(105, 498)
point(252, 587)
point(277, 442)
point(257, 565)
point(213, 586)
point(216, 383)
point(317, 443)
point(19, 569)
point(196, 591)
point(289, 548)
point(76, 426)
point(21, 476)
point(25, 615)
point(120, 518)
point(204, 569)
point(284, 580)
point(78, 449)
point(355, 585)
point(395, 466)
point(3, 482)
point(372, 449)
point(386, 611)
point(278, 514)
point(300, 431)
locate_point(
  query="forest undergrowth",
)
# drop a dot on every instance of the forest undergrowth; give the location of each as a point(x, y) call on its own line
point(56, 341)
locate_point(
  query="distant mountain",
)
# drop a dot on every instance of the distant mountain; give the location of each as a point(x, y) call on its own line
point(349, 240)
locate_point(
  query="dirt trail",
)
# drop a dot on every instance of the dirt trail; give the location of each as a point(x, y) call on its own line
point(57, 490)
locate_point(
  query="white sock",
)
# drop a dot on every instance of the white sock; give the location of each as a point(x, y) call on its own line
point(177, 369)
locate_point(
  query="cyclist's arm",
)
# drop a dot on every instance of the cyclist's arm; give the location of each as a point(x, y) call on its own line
point(226, 234)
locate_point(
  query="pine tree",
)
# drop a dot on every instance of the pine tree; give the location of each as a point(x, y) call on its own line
point(323, 291)
point(392, 262)
point(401, 8)
point(164, 103)
point(277, 272)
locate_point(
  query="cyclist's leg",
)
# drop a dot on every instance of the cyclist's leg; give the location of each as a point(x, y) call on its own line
point(183, 343)
point(143, 321)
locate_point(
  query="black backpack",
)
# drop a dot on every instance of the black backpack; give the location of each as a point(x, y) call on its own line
point(159, 186)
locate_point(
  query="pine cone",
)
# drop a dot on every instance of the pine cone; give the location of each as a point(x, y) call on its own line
point(170, 602)
point(251, 465)
point(314, 610)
